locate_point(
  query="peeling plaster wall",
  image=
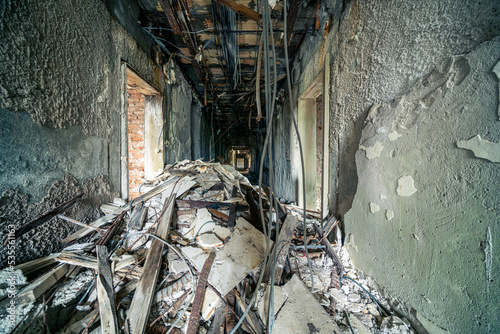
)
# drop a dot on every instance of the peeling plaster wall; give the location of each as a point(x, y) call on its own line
point(436, 203)
point(60, 104)
point(424, 70)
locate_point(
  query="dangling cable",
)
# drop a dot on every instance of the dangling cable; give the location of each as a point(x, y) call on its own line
point(300, 142)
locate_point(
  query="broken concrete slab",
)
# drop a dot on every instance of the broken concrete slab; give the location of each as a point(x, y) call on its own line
point(280, 297)
point(358, 326)
point(481, 148)
point(240, 255)
point(302, 313)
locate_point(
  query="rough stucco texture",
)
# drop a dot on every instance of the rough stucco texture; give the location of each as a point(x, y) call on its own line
point(435, 254)
point(61, 65)
point(422, 69)
point(380, 50)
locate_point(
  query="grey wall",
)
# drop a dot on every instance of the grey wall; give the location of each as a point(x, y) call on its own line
point(61, 89)
point(423, 69)
point(181, 123)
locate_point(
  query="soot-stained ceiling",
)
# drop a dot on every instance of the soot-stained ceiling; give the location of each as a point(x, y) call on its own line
point(216, 44)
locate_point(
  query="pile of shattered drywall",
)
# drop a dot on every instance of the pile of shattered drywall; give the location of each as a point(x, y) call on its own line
point(197, 252)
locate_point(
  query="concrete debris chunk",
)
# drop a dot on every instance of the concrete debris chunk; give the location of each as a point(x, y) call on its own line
point(302, 313)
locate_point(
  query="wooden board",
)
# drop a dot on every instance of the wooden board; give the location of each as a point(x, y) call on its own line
point(36, 288)
point(143, 297)
point(136, 82)
point(105, 293)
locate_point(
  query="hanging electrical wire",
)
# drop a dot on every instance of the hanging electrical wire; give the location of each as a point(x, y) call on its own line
point(225, 20)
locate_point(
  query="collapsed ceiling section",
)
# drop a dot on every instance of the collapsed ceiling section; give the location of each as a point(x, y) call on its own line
point(216, 44)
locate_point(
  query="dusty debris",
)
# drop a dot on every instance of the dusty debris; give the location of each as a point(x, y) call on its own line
point(139, 270)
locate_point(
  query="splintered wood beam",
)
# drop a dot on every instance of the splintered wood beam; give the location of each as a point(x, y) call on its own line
point(171, 17)
point(241, 9)
point(106, 293)
point(43, 283)
point(46, 217)
point(232, 210)
point(291, 18)
point(103, 220)
point(173, 20)
point(144, 294)
point(283, 245)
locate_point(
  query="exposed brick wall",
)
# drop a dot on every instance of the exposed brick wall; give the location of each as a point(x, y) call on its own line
point(135, 141)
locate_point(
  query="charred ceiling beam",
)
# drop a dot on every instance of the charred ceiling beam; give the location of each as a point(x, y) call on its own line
point(241, 9)
point(176, 28)
point(292, 17)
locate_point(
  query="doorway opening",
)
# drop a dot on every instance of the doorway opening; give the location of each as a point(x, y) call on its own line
point(143, 138)
point(313, 129)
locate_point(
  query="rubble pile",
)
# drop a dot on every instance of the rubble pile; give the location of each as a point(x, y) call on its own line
point(201, 250)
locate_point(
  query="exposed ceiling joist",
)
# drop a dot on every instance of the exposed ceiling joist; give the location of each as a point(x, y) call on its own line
point(241, 9)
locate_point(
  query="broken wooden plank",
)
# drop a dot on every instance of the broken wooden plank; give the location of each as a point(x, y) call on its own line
point(46, 217)
point(143, 297)
point(218, 214)
point(329, 251)
point(217, 323)
point(150, 194)
point(33, 266)
point(251, 318)
point(79, 260)
point(106, 293)
point(138, 216)
point(241, 9)
point(208, 204)
point(232, 210)
point(36, 288)
point(230, 318)
point(155, 191)
point(283, 245)
point(291, 18)
point(255, 218)
point(330, 225)
point(171, 17)
point(76, 222)
point(201, 286)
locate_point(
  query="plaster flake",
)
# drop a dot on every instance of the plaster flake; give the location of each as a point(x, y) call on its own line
point(394, 135)
point(374, 207)
point(382, 196)
point(406, 186)
point(373, 151)
point(481, 148)
point(389, 214)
